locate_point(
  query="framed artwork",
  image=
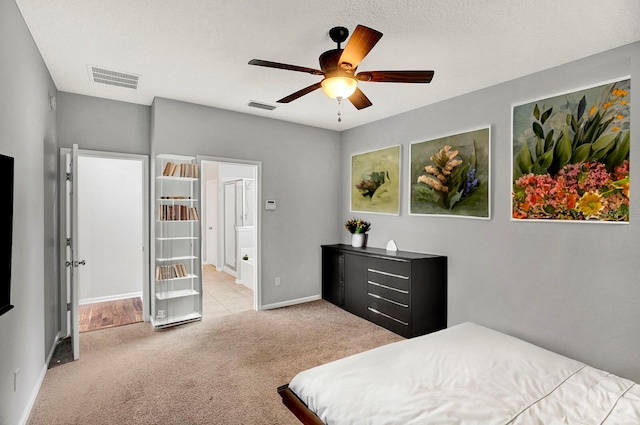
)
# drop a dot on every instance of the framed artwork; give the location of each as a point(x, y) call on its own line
point(450, 176)
point(375, 181)
point(570, 156)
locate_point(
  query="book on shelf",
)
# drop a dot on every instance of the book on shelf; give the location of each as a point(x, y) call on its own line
point(171, 271)
point(177, 213)
point(180, 170)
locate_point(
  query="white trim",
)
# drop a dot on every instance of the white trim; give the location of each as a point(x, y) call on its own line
point(257, 291)
point(53, 348)
point(34, 394)
point(147, 246)
point(291, 302)
point(110, 298)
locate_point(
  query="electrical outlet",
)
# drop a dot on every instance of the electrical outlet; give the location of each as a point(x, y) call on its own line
point(15, 380)
point(277, 281)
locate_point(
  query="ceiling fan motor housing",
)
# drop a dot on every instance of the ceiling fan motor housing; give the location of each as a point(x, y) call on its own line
point(329, 60)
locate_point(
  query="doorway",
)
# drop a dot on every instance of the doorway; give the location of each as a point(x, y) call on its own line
point(110, 258)
point(231, 233)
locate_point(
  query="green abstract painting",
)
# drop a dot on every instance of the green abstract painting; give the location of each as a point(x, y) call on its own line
point(375, 181)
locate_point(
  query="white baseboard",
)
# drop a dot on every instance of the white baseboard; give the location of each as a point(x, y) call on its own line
point(110, 298)
point(53, 348)
point(291, 302)
point(34, 395)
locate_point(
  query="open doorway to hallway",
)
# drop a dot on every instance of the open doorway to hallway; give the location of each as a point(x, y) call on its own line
point(230, 230)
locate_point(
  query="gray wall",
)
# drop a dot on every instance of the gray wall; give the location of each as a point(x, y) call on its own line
point(569, 287)
point(300, 170)
point(28, 133)
point(101, 124)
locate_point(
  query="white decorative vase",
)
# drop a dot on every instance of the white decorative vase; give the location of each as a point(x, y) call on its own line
point(359, 240)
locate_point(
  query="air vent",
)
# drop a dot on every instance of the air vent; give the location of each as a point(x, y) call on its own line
point(114, 78)
point(261, 106)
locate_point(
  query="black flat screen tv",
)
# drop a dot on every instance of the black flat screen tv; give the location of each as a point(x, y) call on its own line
point(6, 231)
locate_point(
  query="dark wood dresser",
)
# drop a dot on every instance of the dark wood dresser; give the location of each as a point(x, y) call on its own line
point(405, 292)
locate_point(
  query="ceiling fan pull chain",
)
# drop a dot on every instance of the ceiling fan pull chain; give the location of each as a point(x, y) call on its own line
point(339, 113)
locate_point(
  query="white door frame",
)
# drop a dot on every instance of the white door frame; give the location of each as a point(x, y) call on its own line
point(64, 291)
point(257, 294)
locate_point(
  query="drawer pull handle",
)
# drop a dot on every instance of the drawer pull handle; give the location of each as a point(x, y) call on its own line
point(388, 274)
point(387, 316)
point(388, 300)
point(387, 287)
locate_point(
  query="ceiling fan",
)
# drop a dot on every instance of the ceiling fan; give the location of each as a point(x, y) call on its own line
point(338, 66)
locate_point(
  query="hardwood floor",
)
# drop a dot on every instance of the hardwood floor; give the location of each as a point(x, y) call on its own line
point(108, 314)
point(221, 296)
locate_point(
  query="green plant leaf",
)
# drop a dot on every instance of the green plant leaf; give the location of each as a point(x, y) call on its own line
point(604, 141)
point(536, 112)
point(602, 127)
point(537, 129)
point(603, 146)
point(591, 127)
point(542, 163)
point(574, 124)
point(548, 141)
point(581, 153)
point(524, 159)
point(581, 107)
point(619, 154)
point(454, 199)
point(562, 151)
point(539, 147)
point(546, 115)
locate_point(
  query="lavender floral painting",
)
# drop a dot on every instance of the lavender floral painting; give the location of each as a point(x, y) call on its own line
point(450, 175)
point(571, 156)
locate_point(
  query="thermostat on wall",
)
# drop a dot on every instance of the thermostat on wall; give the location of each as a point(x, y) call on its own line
point(270, 205)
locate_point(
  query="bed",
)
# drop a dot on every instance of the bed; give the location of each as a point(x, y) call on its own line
point(466, 374)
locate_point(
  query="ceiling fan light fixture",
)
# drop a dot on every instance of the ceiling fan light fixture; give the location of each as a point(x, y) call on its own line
point(339, 86)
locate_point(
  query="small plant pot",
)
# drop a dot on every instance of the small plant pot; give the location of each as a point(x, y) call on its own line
point(359, 240)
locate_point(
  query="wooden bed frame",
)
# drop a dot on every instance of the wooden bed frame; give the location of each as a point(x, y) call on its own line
point(297, 407)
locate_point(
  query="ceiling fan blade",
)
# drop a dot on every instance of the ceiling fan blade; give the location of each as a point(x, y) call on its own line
point(361, 42)
point(396, 76)
point(359, 100)
point(277, 65)
point(300, 93)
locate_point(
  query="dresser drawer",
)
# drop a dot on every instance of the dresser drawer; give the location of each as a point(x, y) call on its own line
point(395, 267)
point(388, 322)
point(394, 310)
point(388, 292)
point(391, 274)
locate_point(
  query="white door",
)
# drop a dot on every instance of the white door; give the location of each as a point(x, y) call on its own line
point(74, 263)
point(73, 240)
point(211, 233)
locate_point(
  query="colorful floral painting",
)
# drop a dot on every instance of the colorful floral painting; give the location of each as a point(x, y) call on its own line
point(375, 181)
point(450, 175)
point(571, 156)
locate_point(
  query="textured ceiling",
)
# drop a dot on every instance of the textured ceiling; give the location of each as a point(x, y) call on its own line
point(197, 50)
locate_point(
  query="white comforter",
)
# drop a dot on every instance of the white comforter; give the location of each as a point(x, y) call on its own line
point(465, 375)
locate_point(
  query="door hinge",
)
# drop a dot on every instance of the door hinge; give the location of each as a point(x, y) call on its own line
point(68, 306)
point(68, 241)
point(68, 177)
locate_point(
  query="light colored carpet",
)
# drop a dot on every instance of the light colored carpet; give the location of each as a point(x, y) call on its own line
point(222, 370)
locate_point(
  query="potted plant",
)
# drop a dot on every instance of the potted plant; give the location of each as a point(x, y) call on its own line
point(358, 229)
